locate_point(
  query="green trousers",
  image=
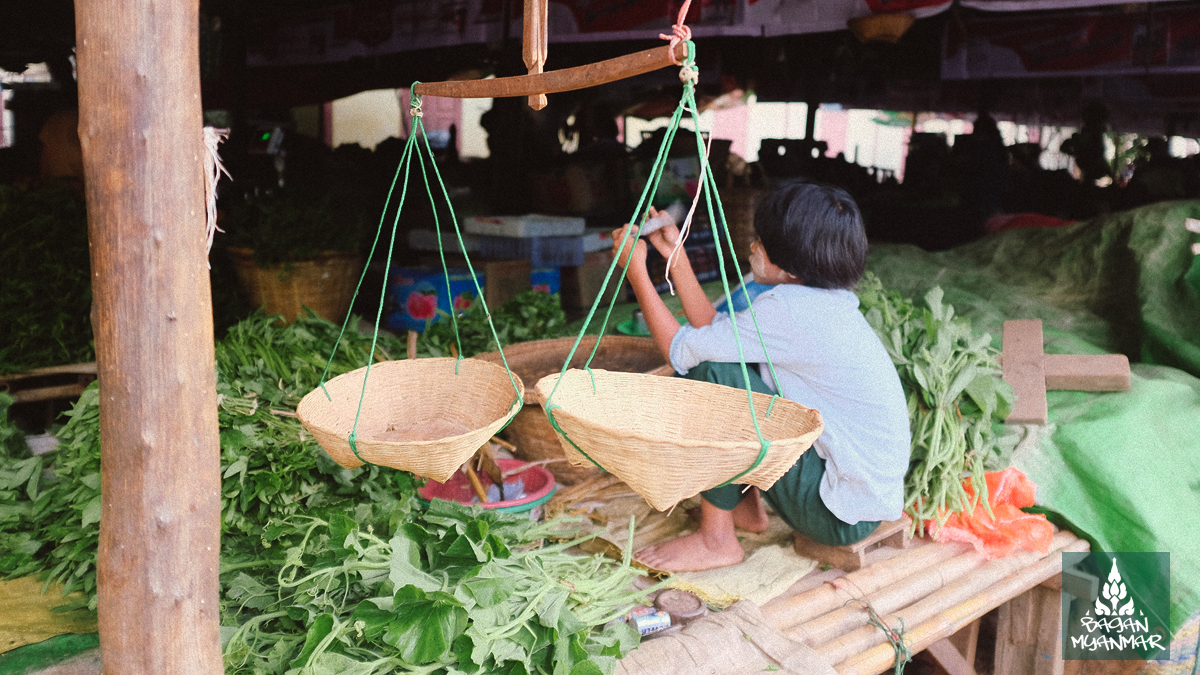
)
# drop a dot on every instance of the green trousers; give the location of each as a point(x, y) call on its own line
point(796, 496)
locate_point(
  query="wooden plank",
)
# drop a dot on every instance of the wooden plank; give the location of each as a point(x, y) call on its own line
point(949, 658)
point(1028, 634)
point(48, 393)
point(1094, 372)
point(966, 641)
point(1023, 367)
point(567, 79)
point(143, 147)
point(71, 369)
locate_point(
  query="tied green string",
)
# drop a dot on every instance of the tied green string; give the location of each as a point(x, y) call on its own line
point(641, 212)
point(642, 209)
point(518, 401)
point(412, 147)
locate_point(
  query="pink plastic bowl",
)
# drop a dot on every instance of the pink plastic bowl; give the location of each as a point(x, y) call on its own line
point(539, 487)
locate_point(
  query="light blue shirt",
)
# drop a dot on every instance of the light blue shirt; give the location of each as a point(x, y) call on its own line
point(827, 358)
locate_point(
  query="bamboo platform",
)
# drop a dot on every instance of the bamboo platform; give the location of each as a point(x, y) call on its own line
point(934, 595)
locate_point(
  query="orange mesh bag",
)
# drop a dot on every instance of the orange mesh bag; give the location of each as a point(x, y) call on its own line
point(1008, 491)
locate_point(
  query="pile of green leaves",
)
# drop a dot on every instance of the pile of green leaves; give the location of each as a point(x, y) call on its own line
point(956, 398)
point(271, 467)
point(289, 225)
point(450, 590)
point(532, 315)
point(45, 279)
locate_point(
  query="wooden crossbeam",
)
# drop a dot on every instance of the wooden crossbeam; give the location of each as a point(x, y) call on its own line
point(1031, 372)
point(567, 79)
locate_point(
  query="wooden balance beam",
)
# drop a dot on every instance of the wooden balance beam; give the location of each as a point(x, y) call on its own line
point(939, 591)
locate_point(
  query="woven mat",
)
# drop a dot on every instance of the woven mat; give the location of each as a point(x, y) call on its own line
point(771, 565)
point(27, 616)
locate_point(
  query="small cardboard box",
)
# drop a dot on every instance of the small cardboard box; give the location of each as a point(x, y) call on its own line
point(581, 285)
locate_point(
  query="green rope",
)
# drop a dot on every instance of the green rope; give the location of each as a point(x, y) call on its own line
point(463, 247)
point(897, 638)
point(411, 148)
point(687, 103)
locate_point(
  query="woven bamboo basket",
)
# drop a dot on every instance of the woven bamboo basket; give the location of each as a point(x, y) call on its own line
point(324, 284)
point(669, 438)
point(417, 415)
point(530, 431)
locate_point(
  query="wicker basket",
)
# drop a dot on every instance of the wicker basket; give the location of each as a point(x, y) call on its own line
point(417, 415)
point(530, 431)
point(324, 284)
point(670, 438)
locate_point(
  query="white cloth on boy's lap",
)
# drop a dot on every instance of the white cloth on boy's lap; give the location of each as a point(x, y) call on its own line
point(827, 358)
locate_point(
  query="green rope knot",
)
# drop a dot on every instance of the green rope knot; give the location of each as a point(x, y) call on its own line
point(353, 438)
point(414, 103)
point(550, 408)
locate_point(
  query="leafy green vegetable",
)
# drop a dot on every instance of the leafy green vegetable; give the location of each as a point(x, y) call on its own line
point(270, 467)
point(290, 225)
point(532, 315)
point(45, 279)
point(956, 397)
point(456, 589)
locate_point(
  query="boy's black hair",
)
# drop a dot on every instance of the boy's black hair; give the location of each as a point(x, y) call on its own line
point(814, 231)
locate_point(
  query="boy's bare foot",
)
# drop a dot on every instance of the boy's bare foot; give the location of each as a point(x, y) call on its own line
point(748, 515)
point(714, 545)
point(692, 553)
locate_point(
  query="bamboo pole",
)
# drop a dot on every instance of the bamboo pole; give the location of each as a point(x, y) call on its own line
point(953, 619)
point(855, 615)
point(801, 608)
point(141, 131)
point(963, 590)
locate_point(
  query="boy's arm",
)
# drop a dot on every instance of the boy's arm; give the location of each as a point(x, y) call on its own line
point(659, 320)
point(696, 305)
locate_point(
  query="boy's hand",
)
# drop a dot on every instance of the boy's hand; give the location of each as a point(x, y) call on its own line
point(663, 239)
point(634, 251)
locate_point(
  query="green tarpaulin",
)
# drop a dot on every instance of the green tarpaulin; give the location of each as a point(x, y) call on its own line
point(1121, 467)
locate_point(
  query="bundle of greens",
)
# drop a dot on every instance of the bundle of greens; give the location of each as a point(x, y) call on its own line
point(450, 590)
point(45, 279)
point(956, 398)
point(271, 467)
point(532, 315)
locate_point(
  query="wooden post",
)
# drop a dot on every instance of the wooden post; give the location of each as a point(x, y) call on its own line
point(142, 136)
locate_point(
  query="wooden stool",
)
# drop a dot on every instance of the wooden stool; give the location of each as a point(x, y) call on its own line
point(892, 533)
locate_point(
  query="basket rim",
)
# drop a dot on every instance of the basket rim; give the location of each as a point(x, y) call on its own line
point(544, 385)
point(481, 366)
point(535, 346)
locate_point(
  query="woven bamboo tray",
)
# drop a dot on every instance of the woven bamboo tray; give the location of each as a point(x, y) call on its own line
point(670, 438)
point(530, 431)
point(417, 415)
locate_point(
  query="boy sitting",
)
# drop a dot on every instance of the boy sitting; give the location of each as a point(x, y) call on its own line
point(811, 249)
